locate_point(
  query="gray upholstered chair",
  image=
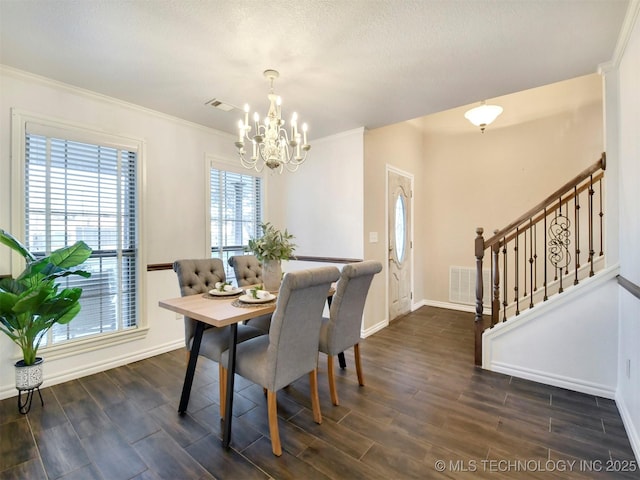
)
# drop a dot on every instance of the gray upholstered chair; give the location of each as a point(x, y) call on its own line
point(342, 329)
point(195, 278)
point(248, 271)
point(291, 348)
point(247, 268)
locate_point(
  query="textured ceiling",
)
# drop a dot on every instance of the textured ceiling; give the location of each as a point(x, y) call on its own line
point(343, 63)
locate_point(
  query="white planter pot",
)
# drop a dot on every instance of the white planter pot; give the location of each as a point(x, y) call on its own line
point(28, 377)
point(272, 275)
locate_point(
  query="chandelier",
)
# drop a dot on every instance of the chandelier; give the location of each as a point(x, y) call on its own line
point(483, 115)
point(271, 144)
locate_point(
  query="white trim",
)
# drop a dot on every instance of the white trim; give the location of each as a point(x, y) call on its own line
point(582, 288)
point(453, 306)
point(84, 369)
point(374, 328)
point(411, 177)
point(90, 344)
point(19, 120)
point(630, 18)
point(4, 69)
point(629, 426)
point(554, 380)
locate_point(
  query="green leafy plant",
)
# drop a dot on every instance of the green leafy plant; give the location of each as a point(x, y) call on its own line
point(273, 244)
point(32, 303)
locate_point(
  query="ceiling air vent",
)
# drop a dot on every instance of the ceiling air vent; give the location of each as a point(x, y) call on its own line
point(225, 107)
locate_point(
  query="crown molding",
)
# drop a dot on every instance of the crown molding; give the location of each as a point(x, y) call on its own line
point(630, 19)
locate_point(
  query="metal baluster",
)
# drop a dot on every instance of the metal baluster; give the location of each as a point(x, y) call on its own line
point(531, 260)
point(555, 278)
point(601, 213)
point(576, 217)
point(504, 295)
point(524, 262)
point(591, 252)
point(515, 289)
point(495, 301)
point(561, 289)
point(535, 257)
point(545, 255)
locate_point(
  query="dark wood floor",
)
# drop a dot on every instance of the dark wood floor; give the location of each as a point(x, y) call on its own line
point(424, 408)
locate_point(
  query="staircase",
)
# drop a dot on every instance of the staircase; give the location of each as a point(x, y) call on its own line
point(554, 246)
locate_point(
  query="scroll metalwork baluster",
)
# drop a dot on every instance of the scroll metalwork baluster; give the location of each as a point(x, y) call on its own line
point(559, 231)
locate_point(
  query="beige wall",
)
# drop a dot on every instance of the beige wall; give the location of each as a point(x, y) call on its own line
point(488, 180)
point(399, 146)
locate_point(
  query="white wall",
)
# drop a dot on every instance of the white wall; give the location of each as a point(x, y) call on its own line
point(570, 341)
point(625, 82)
point(321, 204)
point(173, 209)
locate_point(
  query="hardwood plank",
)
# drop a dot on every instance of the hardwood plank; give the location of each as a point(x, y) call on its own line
point(16, 444)
point(424, 401)
point(61, 450)
point(167, 460)
point(113, 456)
point(31, 470)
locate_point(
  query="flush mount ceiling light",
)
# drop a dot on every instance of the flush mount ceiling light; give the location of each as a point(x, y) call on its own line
point(483, 115)
point(270, 143)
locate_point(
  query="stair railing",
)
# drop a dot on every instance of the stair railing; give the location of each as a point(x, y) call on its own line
point(540, 253)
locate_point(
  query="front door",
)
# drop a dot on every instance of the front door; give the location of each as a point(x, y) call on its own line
point(400, 242)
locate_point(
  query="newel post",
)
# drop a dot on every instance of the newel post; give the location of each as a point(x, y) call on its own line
point(479, 322)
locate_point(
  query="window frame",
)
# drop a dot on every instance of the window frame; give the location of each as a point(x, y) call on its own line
point(82, 133)
point(219, 163)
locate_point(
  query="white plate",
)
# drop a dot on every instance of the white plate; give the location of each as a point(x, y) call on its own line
point(218, 293)
point(250, 299)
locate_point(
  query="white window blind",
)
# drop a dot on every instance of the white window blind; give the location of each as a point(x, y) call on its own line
point(236, 213)
point(83, 191)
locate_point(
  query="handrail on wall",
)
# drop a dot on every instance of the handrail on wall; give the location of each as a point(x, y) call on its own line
point(629, 286)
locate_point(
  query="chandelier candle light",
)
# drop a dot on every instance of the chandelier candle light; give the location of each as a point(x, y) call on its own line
point(270, 143)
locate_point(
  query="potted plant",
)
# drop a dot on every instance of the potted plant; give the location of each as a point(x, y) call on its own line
point(32, 303)
point(271, 248)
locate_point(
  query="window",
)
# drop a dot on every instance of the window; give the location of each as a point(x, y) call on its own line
point(77, 190)
point(236, 214)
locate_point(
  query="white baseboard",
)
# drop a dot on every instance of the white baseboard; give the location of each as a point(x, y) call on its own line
point(7, 391)
point(375, 328)
point(547, 378)
point(452, 306)
point(629, 426)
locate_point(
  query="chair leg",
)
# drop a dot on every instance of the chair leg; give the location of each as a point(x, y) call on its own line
point(315, 399)
point(222, 381)
point(356, 353)
point(332, 381)
point(272, 409)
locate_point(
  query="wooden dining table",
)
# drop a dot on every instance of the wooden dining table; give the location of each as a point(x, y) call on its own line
point(217, 312)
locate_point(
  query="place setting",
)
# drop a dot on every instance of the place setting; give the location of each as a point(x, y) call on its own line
point(254, 296)
point(223, 290)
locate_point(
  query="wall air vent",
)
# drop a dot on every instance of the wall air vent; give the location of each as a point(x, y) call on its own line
point(220, 105)
point(462, 285)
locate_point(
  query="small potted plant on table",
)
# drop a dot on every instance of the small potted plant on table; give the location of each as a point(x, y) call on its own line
point(32, 303)
point(271, 248)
